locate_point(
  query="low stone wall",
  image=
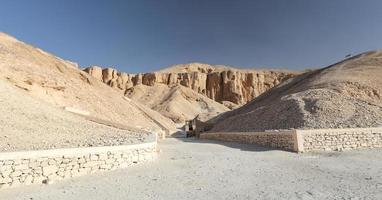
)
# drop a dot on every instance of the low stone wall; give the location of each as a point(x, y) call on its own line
point(36, 167)
point(306, 140)
point(339, 139)
point(281, 140)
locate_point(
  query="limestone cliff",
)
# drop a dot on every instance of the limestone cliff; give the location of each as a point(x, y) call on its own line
point(220, 83)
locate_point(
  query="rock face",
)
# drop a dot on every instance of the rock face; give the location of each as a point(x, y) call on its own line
point(220, 83)
point(176, 102)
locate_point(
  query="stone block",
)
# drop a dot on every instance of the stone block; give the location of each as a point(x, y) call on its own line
point(81, 160)
point(106, 166)
point(52, 178)
point(8, 162)
point(28, 180)
point(65, 161)
point(90, 164)
point(37, 170)
point(48, 170)
point(4, 185)
point(38, 179)
point(124, 165)
point(26, 171)
point(5, 180)
point(93, 157)
point(52, 162)
point(34, 164)
point(135, 158)
point(17, 162)
point(110, 161)
point(5, 167)
point(102, 156)
point(67, 174)
point(44, 163)
point(15, 183)
point(6, 173)
point(15, 174)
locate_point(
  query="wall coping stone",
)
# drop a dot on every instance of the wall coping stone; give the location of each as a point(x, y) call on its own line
point(315, 131)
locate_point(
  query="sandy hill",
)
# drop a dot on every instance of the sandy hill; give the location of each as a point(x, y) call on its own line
point(176, 102)
point(58, 83)
point(346, 94)
point(30, 124)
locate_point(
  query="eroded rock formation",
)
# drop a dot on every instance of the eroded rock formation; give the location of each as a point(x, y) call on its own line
point(219, 83)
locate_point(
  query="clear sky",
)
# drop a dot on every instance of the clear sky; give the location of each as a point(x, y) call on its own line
point(145, 35)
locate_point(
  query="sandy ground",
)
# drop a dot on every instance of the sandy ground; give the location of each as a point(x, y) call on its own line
point(189, 169)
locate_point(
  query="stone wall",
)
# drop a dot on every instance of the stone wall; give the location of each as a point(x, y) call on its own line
point(339, 139)
point(46, 166)
point(306, 140)
point(282, 140)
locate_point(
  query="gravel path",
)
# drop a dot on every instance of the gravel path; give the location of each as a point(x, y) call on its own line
point(191, 169)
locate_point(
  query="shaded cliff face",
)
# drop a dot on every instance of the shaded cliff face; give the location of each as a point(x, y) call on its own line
point(220, 83)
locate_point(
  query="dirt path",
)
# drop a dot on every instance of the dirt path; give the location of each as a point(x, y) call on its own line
point(189, 169)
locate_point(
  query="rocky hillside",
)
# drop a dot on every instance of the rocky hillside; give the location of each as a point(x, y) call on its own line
point(176, 102)
point(220, 83)
point(60, 84)
point(346, 94)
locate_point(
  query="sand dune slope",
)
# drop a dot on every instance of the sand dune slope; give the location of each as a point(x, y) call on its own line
point(58, 83)
point(346, 94)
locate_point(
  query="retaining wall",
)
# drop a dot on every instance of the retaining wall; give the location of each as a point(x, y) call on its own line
point(307, 140)
point(339, 139)
point(36, 167)
point(282, 140)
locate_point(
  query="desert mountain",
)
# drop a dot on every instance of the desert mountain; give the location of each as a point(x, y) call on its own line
point(346, 94)
point(59, 84)
point(217, 82)
point(176, 102)
point(182, 92)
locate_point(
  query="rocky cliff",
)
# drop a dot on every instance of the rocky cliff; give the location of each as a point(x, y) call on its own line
point(220, 83)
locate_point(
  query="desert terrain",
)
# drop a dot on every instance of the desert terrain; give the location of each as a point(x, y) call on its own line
point(33, 125)
point(344, 95)
point(49, 103)
point(37, 87)
point(177, 102)
point(194, 169)
point(185, 91)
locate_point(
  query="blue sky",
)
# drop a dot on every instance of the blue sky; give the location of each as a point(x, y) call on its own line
point(146, 35)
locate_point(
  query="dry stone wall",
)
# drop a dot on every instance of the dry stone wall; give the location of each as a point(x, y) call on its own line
point(340, 139)
point(46, 166)
point(306, 140)
point(281, 140)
